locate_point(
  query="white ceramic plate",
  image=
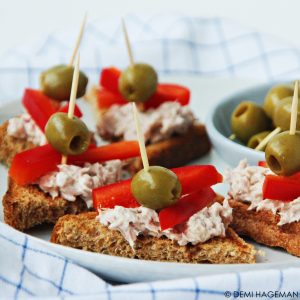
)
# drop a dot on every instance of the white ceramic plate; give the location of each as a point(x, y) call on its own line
point(205, 93)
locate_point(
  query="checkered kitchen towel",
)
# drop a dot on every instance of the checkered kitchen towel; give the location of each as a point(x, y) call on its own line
point(29, 269)
point(174, 45)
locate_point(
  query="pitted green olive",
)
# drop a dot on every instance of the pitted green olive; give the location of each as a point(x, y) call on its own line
point(56, 82)
point(67, 136)
point(283, 154)
point(282, 114)
point(247, 120)
point(256, 139)
point(156, 188)
point(138, 83)
point(275, 95)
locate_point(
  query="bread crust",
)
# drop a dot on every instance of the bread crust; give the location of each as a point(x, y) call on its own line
point(262, 227)
point(10, 146)
point(27, 206)
point(173, 152)
point(176, 151)
point(84, 232)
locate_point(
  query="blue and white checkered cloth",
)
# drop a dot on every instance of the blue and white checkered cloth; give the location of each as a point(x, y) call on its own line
point(28, 269)
point(173, 44)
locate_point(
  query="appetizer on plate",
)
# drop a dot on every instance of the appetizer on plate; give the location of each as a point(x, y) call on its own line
point(143, 218)
point(265, 206)
point(172, 133)
point(49, 181)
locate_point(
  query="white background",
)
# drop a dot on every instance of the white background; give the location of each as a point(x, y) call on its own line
point(21, 20)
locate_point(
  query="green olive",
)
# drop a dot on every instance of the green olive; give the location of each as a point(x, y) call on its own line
point(247, 120)
point(256, 139)
point(283, 153)
point(274, 96)
point(56, 82)
point(156, 188)
point(282, 114)
point(67, 136)
point(138, 83)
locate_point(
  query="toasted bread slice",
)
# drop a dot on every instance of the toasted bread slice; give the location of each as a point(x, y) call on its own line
point(176, 151)
point(262, 227)
point(27, 206)
point(173, 152)
point(10, 146)
point(84, 232)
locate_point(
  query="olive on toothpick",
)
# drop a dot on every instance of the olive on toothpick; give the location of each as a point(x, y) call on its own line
point(154, 186)
point(56, 82)
point(138, 82)
point(282, 152)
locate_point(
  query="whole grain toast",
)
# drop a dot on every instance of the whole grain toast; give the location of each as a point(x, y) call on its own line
point(27, 206)
point(84, 232)
point(176, 151)
point(262, 227)
point(173, 152)
point(10, 146)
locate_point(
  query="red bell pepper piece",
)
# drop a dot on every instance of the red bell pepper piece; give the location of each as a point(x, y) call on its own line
point(192, 179)
point(114, 194)
point(107, 98)
point(281, 188)
point(195, 177)
point(262, 164)
point(169, 92)
point(185, 207)
point(109, 79)
point(30, 165)
point(120, 150)
point(77, 111)
point(38, 106)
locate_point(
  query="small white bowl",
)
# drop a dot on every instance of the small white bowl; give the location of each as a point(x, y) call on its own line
point(219, 129)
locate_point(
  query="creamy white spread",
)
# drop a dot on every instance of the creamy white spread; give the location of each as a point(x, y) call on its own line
point(157, 124)
point(131, 222)
point(23, 127)
point(72, 181)
point(245, 184)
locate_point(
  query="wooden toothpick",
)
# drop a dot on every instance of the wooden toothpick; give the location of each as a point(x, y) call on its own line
point(78, 40)
point(128, 46)
point(140, 137)
point(294, 110)
point(266, 140)
point(73, 96)
point(232, 137)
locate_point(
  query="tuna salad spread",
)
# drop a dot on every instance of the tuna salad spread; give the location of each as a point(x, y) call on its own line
point(157, 124)
point(131, 222)
point(245, 184)
point(23, 127)
point(72, 181)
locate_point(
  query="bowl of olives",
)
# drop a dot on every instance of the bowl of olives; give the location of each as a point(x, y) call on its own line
point(238, 123)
